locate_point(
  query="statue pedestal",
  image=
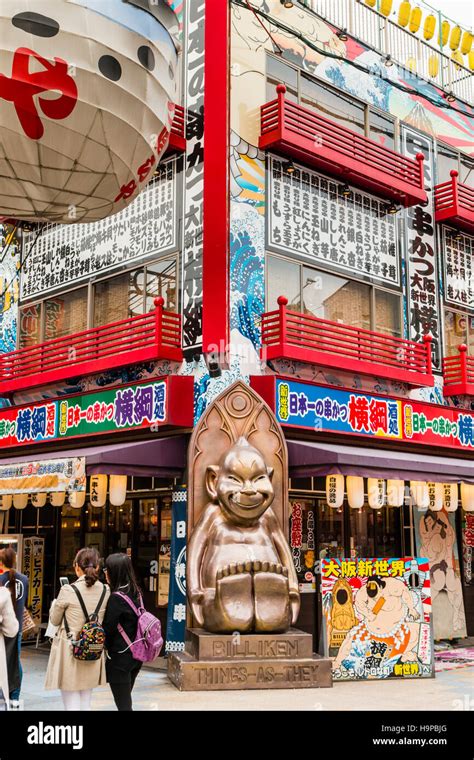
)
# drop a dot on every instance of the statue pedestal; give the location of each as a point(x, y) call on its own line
point(214, 662)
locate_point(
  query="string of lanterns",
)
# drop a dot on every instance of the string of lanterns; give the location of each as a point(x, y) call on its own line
point(391, 493)
point(100, 485)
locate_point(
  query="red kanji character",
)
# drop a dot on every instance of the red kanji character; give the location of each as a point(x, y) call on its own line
point(126, 191)
point(144, 169)
point(378, 416)
point(359, 413)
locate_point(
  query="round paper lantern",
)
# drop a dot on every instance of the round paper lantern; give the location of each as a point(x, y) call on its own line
point(450, 496)
point(467, 497)
point(435, 496)
point(5, 502)
point(20, 500)
point(98, 490)
point(39, 499)
point(376, 492)
point(466, 42)
point(419, 493)
point(404, 13)
point(57, 498)
point(77, 499)
point(355, 491)
point(395, 493)
point(429, 27)
point(335, 490)
point(415, 20)
point(117, 490)
point(87, 93)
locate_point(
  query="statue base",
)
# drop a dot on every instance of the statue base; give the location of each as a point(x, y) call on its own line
point(213, 662)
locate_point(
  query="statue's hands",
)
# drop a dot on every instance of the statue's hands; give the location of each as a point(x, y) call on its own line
point(295, 606)
point(196, 600)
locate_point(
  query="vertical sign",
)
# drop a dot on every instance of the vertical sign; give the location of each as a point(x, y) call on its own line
point(176, 627)
point(34, 569)
point(422, 279)
point(194, 176)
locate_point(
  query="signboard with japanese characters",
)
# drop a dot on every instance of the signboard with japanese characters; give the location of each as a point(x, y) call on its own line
point(458, 258)
point(176, 625)
point(422, 276)
point(302, 542)
point(145, 405)
point(34, 569)
point(51, 475)
point(64, 254)
point(310, 219)
point(377, 618)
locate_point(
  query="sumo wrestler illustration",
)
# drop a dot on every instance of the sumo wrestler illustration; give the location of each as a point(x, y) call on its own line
point(240, 575)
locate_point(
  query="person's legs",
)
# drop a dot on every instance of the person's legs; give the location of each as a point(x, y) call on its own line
point(15, 694)
point(71, 700)
point(85, 697)
point(133, 676)
point(122, 693)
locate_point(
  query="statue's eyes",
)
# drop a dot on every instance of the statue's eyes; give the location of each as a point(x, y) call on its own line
point(234, 479)
point(260, 477)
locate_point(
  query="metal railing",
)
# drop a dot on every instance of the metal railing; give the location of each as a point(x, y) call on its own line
point(458, 373)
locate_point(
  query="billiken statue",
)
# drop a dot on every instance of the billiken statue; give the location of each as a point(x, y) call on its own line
point(240, 574)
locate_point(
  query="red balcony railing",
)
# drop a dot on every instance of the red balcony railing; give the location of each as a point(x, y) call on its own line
point(303, 134)
point(454, 203)
point(147, 337)
point(177, 141)
point(458, 374)
point(289, 334)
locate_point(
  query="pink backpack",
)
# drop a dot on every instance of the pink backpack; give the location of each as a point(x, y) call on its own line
point(148, 641)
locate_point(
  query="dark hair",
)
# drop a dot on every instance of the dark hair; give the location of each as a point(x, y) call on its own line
point(8, 560)
point(88, 560)
point(120, 573)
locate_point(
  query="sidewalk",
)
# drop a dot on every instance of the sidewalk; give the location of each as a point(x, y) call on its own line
point(450, 690)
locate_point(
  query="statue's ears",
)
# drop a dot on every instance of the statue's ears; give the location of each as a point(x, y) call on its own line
point(212, 473)
point(270, 472)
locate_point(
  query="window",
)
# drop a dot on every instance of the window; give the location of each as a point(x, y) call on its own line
point(65, 314)
point(333, 105)
point(466, 173)
point(29, 326)
point(447, 159)
point(382, 129)
point(284, 279)
point(161, 281)
point(118, 298)
point(279, 73)
point(458, 329)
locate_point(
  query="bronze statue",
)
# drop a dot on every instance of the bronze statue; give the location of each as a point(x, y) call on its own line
point(240, 574)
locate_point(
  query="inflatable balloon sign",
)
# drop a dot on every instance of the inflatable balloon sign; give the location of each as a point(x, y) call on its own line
point(87, 92)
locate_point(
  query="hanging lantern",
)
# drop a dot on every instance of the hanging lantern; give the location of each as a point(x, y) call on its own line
point(376, 492)
point(77, 499)
point(429, 27)
point(404, 13)
point(415, 20)
point(386, 7)
point(83, 121)
point(5, 502)
point(466, 43)
point(395, 493)
point(335, 490)
point(457, 58)
point(372, 3)
point(57, 498)
point(455, 37)
point(433, 66)
point(435, 496)
point(355, 491)
point(419, 493)
point(39, 499)
point(117, 490)
point(445, 29)
point(467, 497)
point(98, 490)
point(450, 496)
point(20, 500)
point(471, 60)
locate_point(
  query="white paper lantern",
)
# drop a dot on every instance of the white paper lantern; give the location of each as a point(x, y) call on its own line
point(20, 500)
point(395, 493)
point(77, 499)
point(376, 492)
point(450, 496)
point(39, 499)
point(5, 502)
point(117, 490)
point(98, 490)
point(467, 497)
point(419, 493)
point(57, 498)
point(435, 496)
point(79, 142)
point(355, 491)
point(335, 490)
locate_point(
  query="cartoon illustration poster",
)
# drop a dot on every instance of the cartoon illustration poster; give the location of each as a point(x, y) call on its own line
point(436, 539)
point(377, 618)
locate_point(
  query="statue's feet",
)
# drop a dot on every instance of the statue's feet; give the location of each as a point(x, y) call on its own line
point(272, 597)
point(233, 606)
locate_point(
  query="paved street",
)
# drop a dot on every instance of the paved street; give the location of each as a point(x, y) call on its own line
point(450, 690)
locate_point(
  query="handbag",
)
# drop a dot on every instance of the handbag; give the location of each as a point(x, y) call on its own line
point(28, 624)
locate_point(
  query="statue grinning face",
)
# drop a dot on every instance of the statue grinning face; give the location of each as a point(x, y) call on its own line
point(242, 484)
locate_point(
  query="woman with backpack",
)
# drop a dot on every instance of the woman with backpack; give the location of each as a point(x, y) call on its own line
point(77, 659)
point(133, 636)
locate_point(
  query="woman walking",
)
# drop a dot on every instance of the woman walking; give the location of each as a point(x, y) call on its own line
point(77, 677)
point(8, 627)
point(122, 669)
point(17, 585)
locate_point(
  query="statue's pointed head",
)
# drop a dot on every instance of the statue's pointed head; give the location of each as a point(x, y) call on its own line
point(241, 483)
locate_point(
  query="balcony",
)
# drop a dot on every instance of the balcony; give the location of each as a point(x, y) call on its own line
point(301, 337)
point(145, 338)
point(292, 130)
point(458, 373)
point(454, 203)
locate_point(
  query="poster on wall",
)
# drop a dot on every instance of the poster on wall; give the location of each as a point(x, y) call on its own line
point(302, 542)
point(458, 260)
point(176, 626)
point(468, 546)
point(435, 534)
point(377, 618)
point(33, 559)
point(66, 254)
point(308, 218)
point(50, 475)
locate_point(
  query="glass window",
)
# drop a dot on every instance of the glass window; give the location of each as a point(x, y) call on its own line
point(283, 279)
point(161, 281)
point(362, 532)
point(387, 313)
point(65, 314)
point(29, 326)
point(280, 73)
point(332, 105)
point(382, 130)
point(387, 532)
point(466, 175)
point(118, 297)
point(331, 531)
point(458, 329)
point(335, 298)
point(447, 160)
